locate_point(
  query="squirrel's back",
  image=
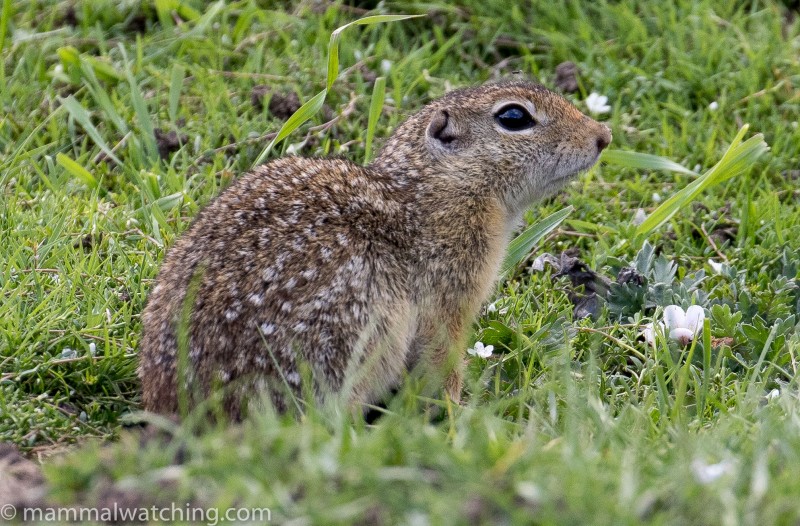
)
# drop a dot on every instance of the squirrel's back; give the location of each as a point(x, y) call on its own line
point(289, 264)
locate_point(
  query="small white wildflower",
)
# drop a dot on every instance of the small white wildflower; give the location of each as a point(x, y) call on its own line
point(530, 492)
point(480, 350)
point(417, 518)
point(296, 147)
point(697, 167)
point(716, 267)
point(639, 217)
point(682, 325)
point(58, 69)
point(656, 197)
point(708, 473)
point(713, 106)
point(597, 103)
point(386, 66)
point(681, 335)
point(496, 307)
point(92, 349)
point(678, 325)
point(649, 333)
point(772, 395)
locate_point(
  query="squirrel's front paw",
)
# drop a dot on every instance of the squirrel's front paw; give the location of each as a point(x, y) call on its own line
point(453, 385)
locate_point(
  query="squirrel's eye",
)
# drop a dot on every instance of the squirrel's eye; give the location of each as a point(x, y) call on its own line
point(514, 118)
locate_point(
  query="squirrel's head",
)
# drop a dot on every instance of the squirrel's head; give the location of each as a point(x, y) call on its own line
point(517, 139)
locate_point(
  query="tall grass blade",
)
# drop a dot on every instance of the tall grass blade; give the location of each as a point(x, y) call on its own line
point(304, 113)
point(333, 45)
point(140, 109)
point(75, 169)
point(643, 160)
point(738, 158)
point(101, 97)
point(375, 108)
point(521, 246)
point(80, 114)
point(204, 21)
point(310, 108)
point(175, 86)
point(5, 20)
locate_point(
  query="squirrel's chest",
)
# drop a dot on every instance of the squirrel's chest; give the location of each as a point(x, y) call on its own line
point(461, 262)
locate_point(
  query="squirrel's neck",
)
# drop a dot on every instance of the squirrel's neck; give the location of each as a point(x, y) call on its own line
point(405, 158)
point(461, 225)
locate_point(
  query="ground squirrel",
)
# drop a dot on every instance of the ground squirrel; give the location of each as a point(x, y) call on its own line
point(361, 272)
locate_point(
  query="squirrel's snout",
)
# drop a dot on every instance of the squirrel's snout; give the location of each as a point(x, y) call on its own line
point(603, 138)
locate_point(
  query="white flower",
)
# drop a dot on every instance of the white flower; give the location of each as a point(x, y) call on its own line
point(530, 492)
point(772, 395)
point(656, 198)
point(480, 350)
point(649, 333)
point(713, 106)
point(708, 473)
point(716, 267)
point(678, 325)
point(597, 103)
point(639, 217)
point(92, 349)
point(496, 307)
point(386, 66)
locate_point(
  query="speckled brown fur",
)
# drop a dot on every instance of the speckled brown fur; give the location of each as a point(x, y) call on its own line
point(359, 272)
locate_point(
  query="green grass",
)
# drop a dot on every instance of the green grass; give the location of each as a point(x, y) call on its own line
point(571, 421)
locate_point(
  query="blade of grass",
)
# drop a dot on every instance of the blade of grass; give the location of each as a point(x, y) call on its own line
point(140, 109)
point(101, 97)
point(75, 169)
point(683, 373)
point(73, 62)
point(375, 108)
point(521, 246)
point(80, 114)
point(643, 160)
point(755, 371)
point(703, 390)
point(333, 45)
point(175, 86)
point(304, 113)
point(738, 157)
point(202, 21)
point(311, 107)
point(5, 20)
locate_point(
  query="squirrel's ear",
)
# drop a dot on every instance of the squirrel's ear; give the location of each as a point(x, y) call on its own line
point(441, 132)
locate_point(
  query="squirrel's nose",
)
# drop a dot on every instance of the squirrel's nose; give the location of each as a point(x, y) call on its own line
point(603, 138)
